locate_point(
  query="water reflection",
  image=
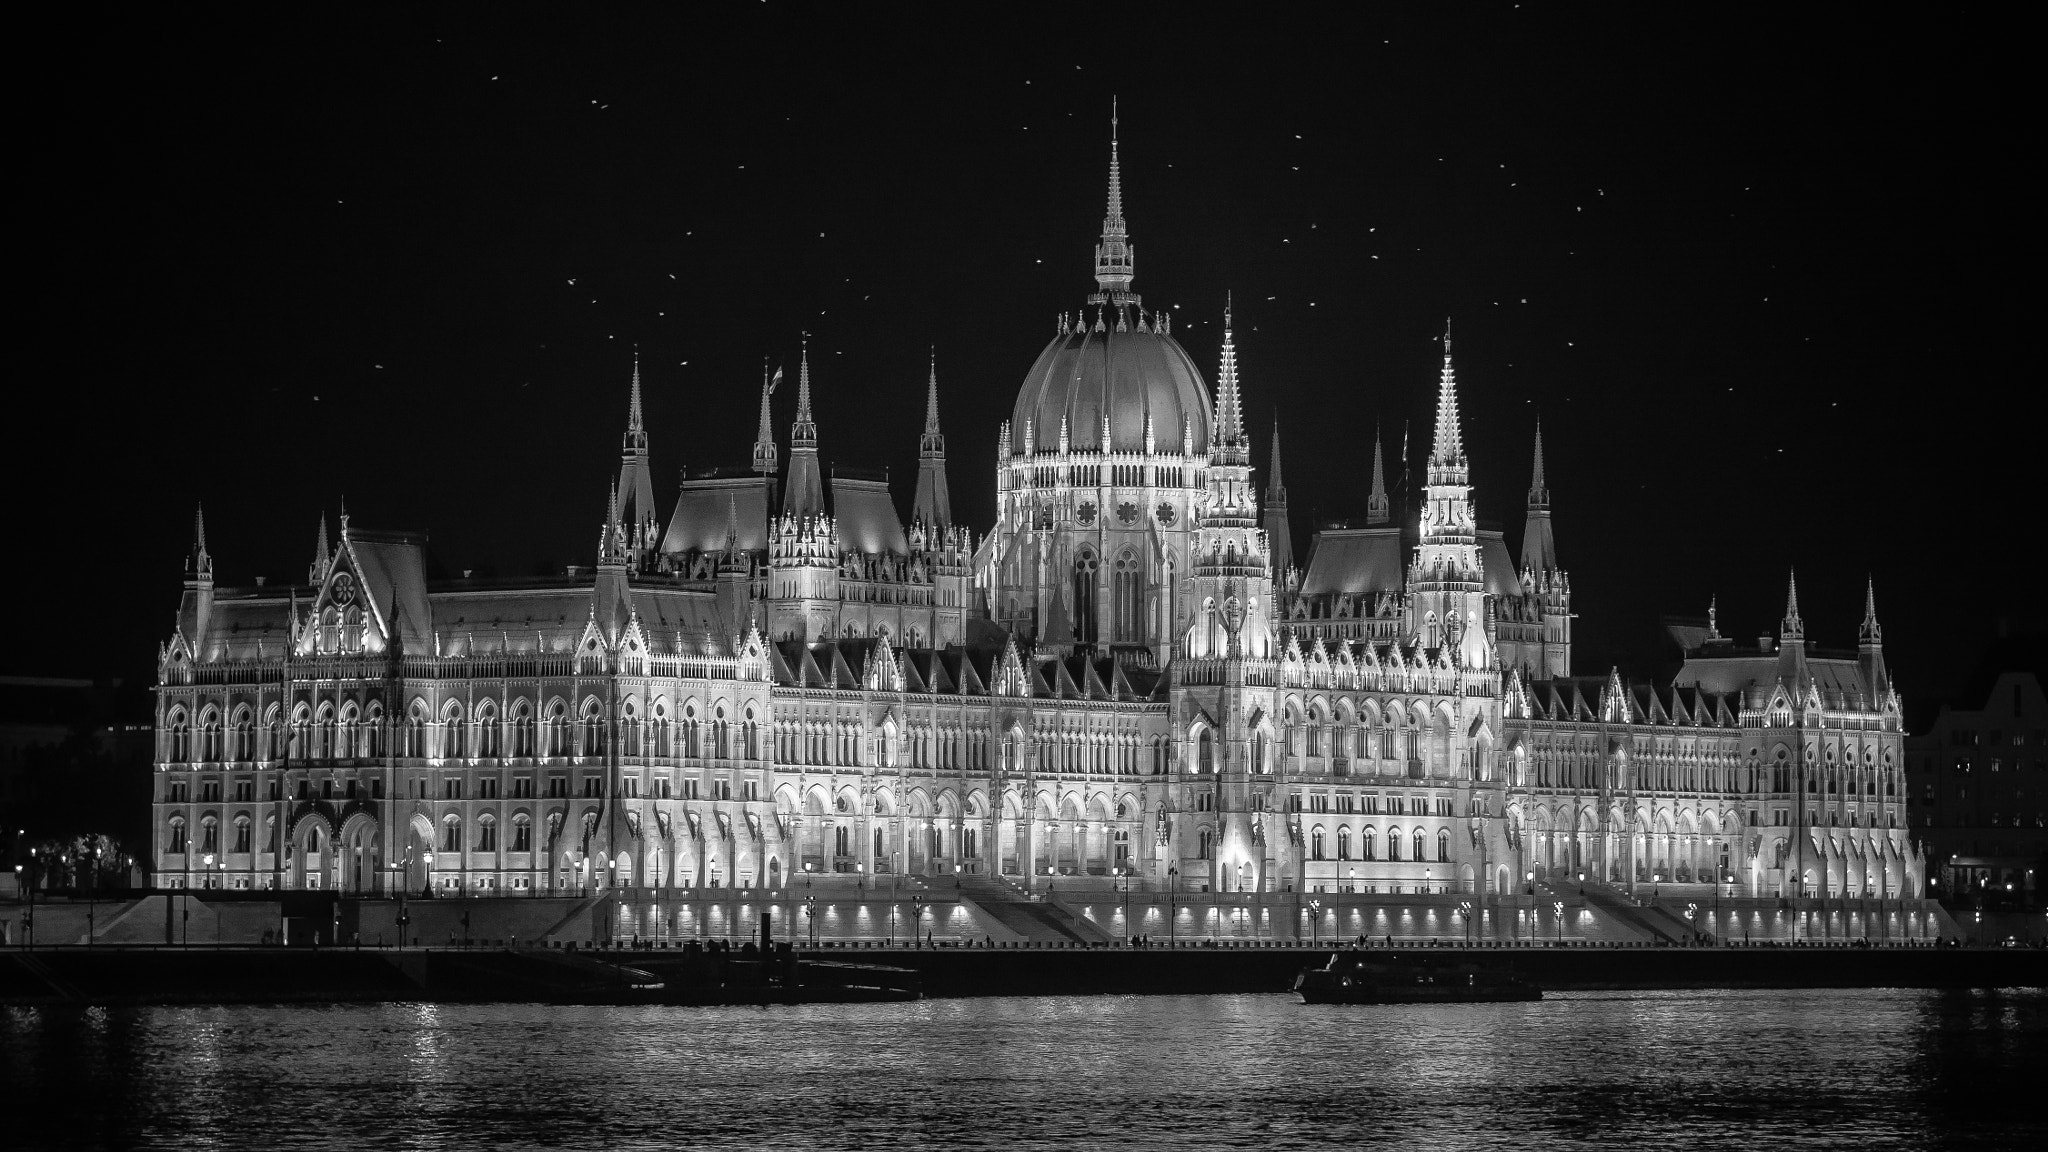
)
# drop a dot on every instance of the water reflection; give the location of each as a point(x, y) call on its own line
point(1873, 1069)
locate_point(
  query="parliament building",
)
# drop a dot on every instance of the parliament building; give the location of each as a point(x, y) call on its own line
point(1123, 677)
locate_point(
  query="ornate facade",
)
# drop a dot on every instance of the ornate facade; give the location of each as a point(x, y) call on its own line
point(1126, 678)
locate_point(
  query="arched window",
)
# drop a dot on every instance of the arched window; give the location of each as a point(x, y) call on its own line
point(1393, 844)
point(1421, 845)
point(179, 749)
point(486, 730)
point(242, 830)
point(1443, 846)
point(522, 833)
point(1205, 753)
point(1202, 844)
point(1315, 844)
point(1129, 595)
point(209, 834)
point(593, 728)
point(1343, 843)
point(1084, 597)
point(177, 835)
point(452, 732)
point(487, 833)
point(451, 834)
point(1366, 846)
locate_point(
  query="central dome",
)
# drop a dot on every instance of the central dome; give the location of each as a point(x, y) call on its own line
point(1116, 369)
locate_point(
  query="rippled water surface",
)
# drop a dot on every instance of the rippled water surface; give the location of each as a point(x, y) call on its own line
point(1871, 1069)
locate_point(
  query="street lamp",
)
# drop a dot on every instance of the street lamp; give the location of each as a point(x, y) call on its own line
point(1315, 923)
point(1172, 911)
point(1558, 905)
point(811, 917)
point(1465, 910)
point(427, 886)
point(1124, 879)
point(916, 919)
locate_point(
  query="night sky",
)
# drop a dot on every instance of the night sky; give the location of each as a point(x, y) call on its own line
point(1757, 277)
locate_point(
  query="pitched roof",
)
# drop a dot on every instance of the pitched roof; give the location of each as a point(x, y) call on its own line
point(1354, 560)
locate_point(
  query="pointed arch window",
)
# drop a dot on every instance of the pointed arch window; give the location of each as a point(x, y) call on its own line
point(1127, 591)
point(1085, 585)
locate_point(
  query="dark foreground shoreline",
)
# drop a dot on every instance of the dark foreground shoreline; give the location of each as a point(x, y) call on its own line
point(272, 975)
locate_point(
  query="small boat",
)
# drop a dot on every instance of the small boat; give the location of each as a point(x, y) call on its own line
point(1408, 980)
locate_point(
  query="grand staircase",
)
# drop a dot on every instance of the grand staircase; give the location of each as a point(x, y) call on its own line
point(1032, 919)
point(1657, 923)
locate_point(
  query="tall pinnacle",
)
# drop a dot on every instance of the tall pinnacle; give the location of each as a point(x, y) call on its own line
point(1539, 493)
point(1449, 448)
point(805, 430)
point(1377, 509)
point(1792, 625)
point(635, 428)
point(1870, 633)
point(1115, 256)
point(764, 435)
point(933, 505)
point(1230, 435)
point(321, 552)
point(201, 563)
point(931, 402)
point(803, 492)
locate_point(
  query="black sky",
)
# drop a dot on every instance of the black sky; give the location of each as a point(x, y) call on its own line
point(1761, 277)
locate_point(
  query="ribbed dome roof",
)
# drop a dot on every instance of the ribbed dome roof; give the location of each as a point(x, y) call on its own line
point(1128, 374)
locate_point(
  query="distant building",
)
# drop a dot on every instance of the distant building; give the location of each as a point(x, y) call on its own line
point(1979, 782)
point(1125, 676)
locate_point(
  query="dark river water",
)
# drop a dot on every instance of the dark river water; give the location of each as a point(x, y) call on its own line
point(1873, 1069)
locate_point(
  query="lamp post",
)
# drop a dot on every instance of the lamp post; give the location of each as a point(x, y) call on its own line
point(1124, 879)
point(811, 917)
point(1315, 923)
point(916, 919)
point(1465, 910)
point(92, 898)
point(1172, 913)
point(1558, 907)
point(427, 884)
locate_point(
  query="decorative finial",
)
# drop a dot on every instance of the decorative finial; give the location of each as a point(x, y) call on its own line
point(1714, 618)
point(1792, 625)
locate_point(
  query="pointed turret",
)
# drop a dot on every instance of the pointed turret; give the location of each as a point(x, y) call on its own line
point(1377, 509)
point(196, 609)
point(933, 506)
point(1115, 255)
point(1279, 537)
point(1870, 648)
point(611, 539)
point(636, 511)
point(1792, 627)
point(804, 492)
point(200, 563)
point(636, 429)
point(1539, 545)
point(322, 555)
point(1232, 445)
point(1447, 452)
point(764, 437)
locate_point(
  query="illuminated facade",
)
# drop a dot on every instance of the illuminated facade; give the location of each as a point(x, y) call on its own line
point(1127, 675)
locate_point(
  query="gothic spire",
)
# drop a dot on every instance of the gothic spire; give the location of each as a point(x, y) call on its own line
point(764, 435)
point(321, 554)
point(636, 431)
point(201, 562)
point(1231, 443)
point(931, 402)
point(1539, 545)
point(805, 430)
point(1115, 256)
point(609, 539)
point(1376, 506)
point(1448, 452)
point(1539, 492)
point(803, 492)
point(1792, 625)
point(933, 505)
point(1871, 632)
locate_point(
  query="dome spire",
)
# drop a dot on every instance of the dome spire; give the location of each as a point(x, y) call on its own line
point(1115, 256)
